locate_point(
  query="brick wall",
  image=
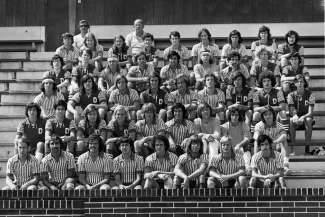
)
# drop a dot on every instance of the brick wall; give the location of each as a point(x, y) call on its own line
point(166, 203)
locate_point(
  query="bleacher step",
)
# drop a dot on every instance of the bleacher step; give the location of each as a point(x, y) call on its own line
point(13, 55)
point(30, 75)
point(44, 65)
point(307, 163)
point(19, 96)
point(10, 65)
point(11, 121)
point(7, 149)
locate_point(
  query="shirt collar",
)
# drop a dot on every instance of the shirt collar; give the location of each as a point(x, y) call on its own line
point(16, 157)
point(87, 155)
point(121, 159)
point(172, 122)
point(154, 156)
point(205, 91)
point(127, 91)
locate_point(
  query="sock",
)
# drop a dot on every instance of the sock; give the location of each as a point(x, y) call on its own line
point(211, 184)
point(247, 158)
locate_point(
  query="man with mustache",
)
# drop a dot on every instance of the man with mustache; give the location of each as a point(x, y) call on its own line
point(267, 166)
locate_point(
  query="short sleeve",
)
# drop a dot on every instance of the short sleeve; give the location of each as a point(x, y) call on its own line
point(190, 128)
point(250, 95)
point(134, 96)
point(48, 125)
point(186, 54)
point(224, 50)
point(110, 126)
point(9, 169)
point(311, 99)
point(277, 71)
point(173, 159)
point(148, 162)
point(117, 168)
point(285, 71)
point(221, 97)
point(253, 71)
point(21, 128)
point(74, 71)
point(259, 128)
point(240, 161)
point(246, 131)
point(253, 47)
point(166, 51)
point(204, 158)
point(194, 52)
point(36, 167)
point(76, 98)
point(109, 165)
point(72, 125)
point(279, 161)
point(132, 127)
point(280, 49)
point(112, 97)
point(132, 72)
point(214, 162)
point(291, 102)
point(182, 159)
point(81, 125)
point(102, 125)
point(254, 161)
point(256, 99)
point(280, 97)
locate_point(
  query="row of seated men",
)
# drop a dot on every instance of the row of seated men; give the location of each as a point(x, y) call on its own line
point(162, 169)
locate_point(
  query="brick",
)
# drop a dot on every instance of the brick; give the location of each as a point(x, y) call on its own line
point(149, 210)
point(309, 215)
point(210, 204)
point(137, 215)
point(306, 204)
point(180, 199)
point(294, 209)
point(221, 199)
point(209, 215)
point(245, 198)
point(185, 204)
point(97, 215)
point(137, 204)
point(269, 199)
point(316, 198)
point(125, 199)
point(197, 198)
point(172, 210)
point(101, 199)
point(258, 215)
point(245, 209)
point(318, 209)
point(33, 211)
point(10, 212)
point(233, 204)
point(101, 210)
point(78, 211)
point(282, 214)
point(162, 204)
point(185, 215)
point(58, 211)
point(93, 205)
point(258, 204)
point(78, 204)
point(296, 198)
point(234, 215)
point(197, 210)
point(161, 215)
point(222, 210)
point(125, 210)
point(268, 209)
point(282, 204)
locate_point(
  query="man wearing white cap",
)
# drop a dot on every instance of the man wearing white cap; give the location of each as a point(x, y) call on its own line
point(48, 97)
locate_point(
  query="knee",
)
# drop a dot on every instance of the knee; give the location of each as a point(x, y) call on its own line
point(256, 116)
point(282, 114)
point(133, 115)
point(138, 187)
point(162, 114)
point(199, 85)
point(139, 115)
point(131, 85)
point(6, 188)
point(137, 144)
point(252, 182)
point(249, 113)
point(177, 180)
point(242, 180)
point(40, 147)
point(104, 187)
point(110, 145)
point(80, 145)
point(32, 187)
point(43, 188)
point(102, 113)
point(80, 187)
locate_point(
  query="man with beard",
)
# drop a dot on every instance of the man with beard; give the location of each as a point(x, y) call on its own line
point(58, 168)
point(227, 169)
point(267, 166)
point(159, 166)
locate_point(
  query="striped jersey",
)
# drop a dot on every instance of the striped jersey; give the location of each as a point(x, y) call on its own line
point(22, 173)
point(128, 127)
point(200, 71)
point(109, 77)
point(197, 48)
point(179, 132)
point(88, 130)
point(213, 100)
point(181, 50)
point(166, 73)
point(189, 97)
point(273, 131)
point(266, 166)
point(222, 167)
point(95, 170)
point(135, 72)
point(127, 99)
point(71, 54)
point(228, 73)
point(84, 100)
point(168, 164)
point(189, 165)
point(47, 103)
point(60, 128)
point(58, 170)
point(128, 169)
point(154, 129)
point(273, 98)
point(33, 132)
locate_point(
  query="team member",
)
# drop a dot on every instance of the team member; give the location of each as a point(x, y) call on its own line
point(92, 124)
point(128, 167)
point(48, 97)
point(301, 107)
point(267, 166)
point(240, 97)
point(264, 36)
point(159, 166)
point(33, 129)
point(124, 96)
point(169, 72)
point(61, 126)
point(183, 52)
point(138, 76)
point(68, 52)
point(227, 169)
point(152, 54)
point(79, 39)
point(213, 96)
point(122, 51)
point(133, 40)
point(147, 129)
point(263, 64)
point(183, 95)
point(23, 170)
point(95, 166)
point(91, 43)
point(58, 168)
point(121, 125)
point(191, 166)
point(179, 129)
point(88, 95)
point(156, 96)
point(61, 77)
point(205, 44)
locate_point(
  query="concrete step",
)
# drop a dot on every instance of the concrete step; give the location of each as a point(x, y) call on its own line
point(6, 75)
point(25, 85)
point(40, 65)
point(316, 71)
point(314, 51)
point(314, 61)
point(19, 96)
point(317, 81)
point(12, 108)
point(10, 65)
point(305, 181)
point(11, 121)
point(318, 132)
point(307, 164)
point(12, 55)
point(7, 150)
point(319, 94)
point(320, 105)
point(7, 136)
point(3, 164)
point(34, 56)
point(30, 75)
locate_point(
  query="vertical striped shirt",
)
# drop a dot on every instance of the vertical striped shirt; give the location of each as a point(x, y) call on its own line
point(214, 99)
point(228, 73)
point(22, 173)
point(179, 132)
point(127, 128)
point(197, 48)
point(128, 169)
point(88, 130)
point(47, 103)
point(168, 164)
point(71, 54)
point(266, 166)
point(222, 167)
point(135, 72)
point(167, 73)
point(228, 49)
point(95, 170)
point(200, 71)
point(189, 165)
point(154, 129)
point(109, 77)
point(127, 99)
point(181, 50)
point(274, 131)
point(189, 97)
point(58, 170)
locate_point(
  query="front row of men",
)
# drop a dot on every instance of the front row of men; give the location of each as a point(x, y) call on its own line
point(162, 169)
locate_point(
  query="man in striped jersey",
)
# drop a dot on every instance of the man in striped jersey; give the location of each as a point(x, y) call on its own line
point(68, 52)
point(191, 166)
point(48, 97)
point(129, 98)
point(175, 38)
point(267, 166)
point(58, 168)
point(179, 129)
point(183, 95)
point(128, 167)
point(227, 169)
point(159, 166)
point(95, 166)
point(23, 170)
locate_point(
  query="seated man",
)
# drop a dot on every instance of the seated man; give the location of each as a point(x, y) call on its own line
point(23, 169)
point(150, 51)
point(183, 95)
point(275, 131)
point(178, 129)
point(33, 129)
point(138, 76)
point(68, 52)
point(156, 96)
point(301, 107)
point(227, 169)
point(159, 166)
point(183, 52)
point(58, 168)
point(95, 166)
point(240, 97)
point(61, 126)
point(240, 135)
point(169, 72)
point(267, 166)
point(263, 64)
point(191, 166)
point(128, 167)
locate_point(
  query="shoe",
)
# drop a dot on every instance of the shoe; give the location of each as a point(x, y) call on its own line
point(287, 171)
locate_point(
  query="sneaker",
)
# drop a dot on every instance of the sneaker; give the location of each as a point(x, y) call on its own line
point(287, 171)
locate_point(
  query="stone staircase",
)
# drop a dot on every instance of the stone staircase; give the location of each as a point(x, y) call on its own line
point(21, 74)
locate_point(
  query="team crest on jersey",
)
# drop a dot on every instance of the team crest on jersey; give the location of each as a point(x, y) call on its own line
point(61, 80)
point(274, 101)
point(161, 101)
point(97, 132)
point(126, 132)
point(245, 98)
point(306, 102)
point(40, 130)
point(94, 99)
point(67, 131)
